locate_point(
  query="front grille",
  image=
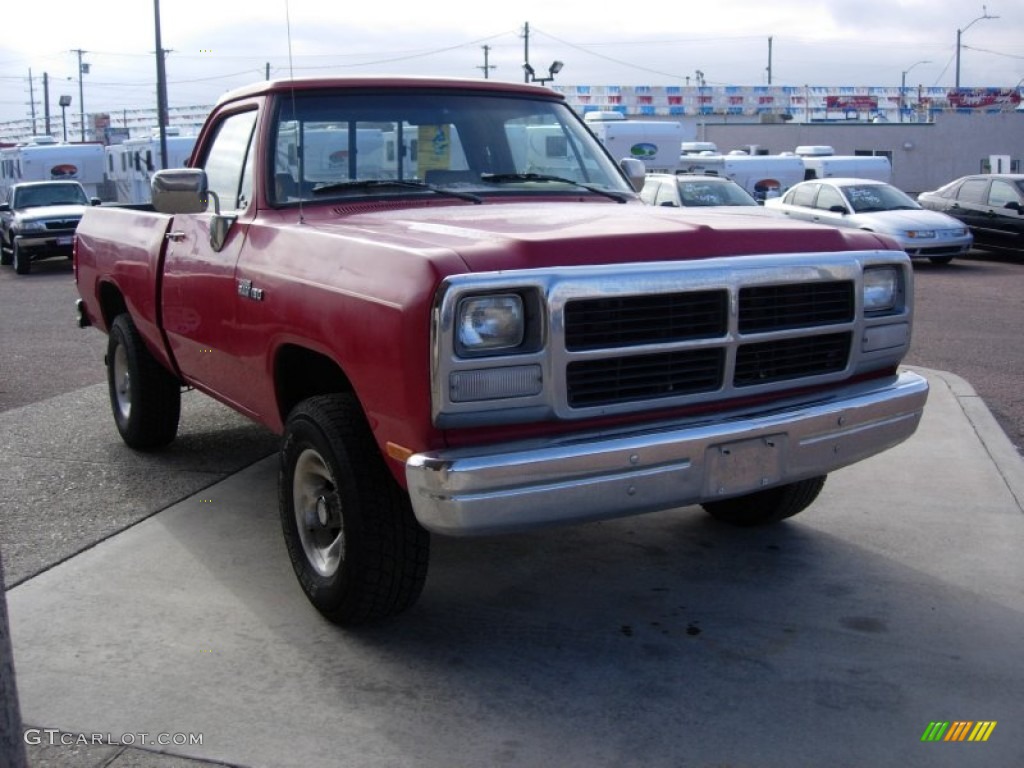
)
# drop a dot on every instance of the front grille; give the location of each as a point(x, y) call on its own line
point(643, 377)
point(62, 223)
point(620, 321)
point(758, 346)
point(805, 305)
point(944, 250)
point(789, 359)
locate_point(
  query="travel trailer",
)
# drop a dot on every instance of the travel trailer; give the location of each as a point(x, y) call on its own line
point(763, 176)
point(132, 163)
point(821, 162)
point(45, 159)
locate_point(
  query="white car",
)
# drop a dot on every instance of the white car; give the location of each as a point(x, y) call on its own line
point(878, 207)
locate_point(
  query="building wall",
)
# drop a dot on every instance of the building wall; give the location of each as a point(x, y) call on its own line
point(924, 155)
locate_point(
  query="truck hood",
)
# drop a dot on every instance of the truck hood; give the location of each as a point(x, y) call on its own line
point(46, 212)
point(527, 235)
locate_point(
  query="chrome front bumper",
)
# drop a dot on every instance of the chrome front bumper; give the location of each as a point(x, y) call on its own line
point(580, 477)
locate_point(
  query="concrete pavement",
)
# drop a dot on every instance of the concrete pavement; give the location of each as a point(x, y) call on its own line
point(663, 640)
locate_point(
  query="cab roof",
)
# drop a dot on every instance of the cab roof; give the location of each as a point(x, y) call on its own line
point(385, 83)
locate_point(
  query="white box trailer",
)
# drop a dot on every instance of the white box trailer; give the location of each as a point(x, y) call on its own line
point(657, 143)
point(763, 176)
point(53, 161)
point(132, 163)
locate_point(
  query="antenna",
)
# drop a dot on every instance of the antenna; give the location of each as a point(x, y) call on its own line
point(295, 113)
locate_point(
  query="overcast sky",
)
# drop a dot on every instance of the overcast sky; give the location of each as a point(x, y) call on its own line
point(216, 45)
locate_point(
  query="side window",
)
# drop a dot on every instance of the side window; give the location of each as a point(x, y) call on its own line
point(1001, 194)
point(228, 163)
point(973, 191)
point(829, 196)
point(804, 195)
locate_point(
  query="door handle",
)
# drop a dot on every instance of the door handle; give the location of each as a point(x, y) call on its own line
point(175, 237)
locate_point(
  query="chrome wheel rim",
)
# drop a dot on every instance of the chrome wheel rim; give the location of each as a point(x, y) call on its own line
point(122, 383)
point(318, 513)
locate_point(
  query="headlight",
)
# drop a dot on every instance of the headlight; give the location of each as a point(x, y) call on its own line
point(32, 226)
point(489, 324)
point(918, 234)
point(881, 288)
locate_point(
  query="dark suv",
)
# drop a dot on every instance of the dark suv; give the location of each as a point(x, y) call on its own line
point(991, 205)
point(38, 220)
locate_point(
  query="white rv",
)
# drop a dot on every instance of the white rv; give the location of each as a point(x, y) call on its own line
point(821, 162)
point(48, 160)
point(132, 163)
point(656, 142)
point(763, 176)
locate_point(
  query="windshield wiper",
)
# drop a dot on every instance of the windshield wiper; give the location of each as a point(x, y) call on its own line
point(399, 183)
point(503, 178)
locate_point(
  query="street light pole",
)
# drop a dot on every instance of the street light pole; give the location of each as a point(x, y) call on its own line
point(903, 86)
point(959, 34)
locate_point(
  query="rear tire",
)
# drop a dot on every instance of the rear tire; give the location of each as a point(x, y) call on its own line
point(22, 263)
point(940, 260)
point(144, 396)
point(6, 256)
point(766, 507)
point(356, 547)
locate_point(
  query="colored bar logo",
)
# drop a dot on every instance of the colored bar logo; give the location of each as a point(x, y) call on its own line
point(958, 730)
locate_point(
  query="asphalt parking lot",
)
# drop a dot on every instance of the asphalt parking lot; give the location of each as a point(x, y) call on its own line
point(152, 594)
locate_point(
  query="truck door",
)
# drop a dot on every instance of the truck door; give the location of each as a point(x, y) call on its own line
point(199, 291)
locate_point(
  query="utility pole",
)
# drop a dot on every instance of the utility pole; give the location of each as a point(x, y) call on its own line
point(486, 67)
point(769, 61)
point(32, 101)
point(82, 69)
point(161, 87)
point(46, 102)
point(526, 52)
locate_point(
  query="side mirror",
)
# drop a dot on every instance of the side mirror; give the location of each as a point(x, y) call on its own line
point(1013, 206)
point(5, 207)
point(180, 190)
point(635, 172)
point(838, 209)
point(95, 201)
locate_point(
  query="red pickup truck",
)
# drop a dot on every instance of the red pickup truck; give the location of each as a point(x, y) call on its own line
point(450, 302)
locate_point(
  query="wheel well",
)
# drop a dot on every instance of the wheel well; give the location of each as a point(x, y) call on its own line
point(112, 303)
point(301, 373)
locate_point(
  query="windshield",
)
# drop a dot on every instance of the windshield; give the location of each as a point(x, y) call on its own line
point(327, 143)
point(869, 198)
point(49, 194)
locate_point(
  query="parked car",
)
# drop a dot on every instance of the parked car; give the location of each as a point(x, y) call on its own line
point(878, 207)
point(681, 190)
point(38, 220)
point(991, 205)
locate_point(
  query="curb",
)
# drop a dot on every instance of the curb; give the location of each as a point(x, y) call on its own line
point(1003, 453)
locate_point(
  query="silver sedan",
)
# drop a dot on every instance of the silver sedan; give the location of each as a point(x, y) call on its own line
point(878, 207)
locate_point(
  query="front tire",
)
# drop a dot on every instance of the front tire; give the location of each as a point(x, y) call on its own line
point(144, 396)
point(940, 260)
point(6, 256)
point(766, 507)
point(22, 263)
point(356, 547)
